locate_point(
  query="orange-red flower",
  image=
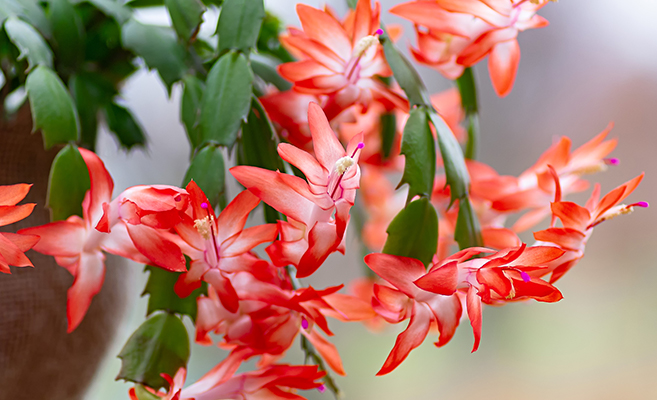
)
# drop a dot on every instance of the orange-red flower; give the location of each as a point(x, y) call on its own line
point(340, 59)
point(13, 245)
point(455, 34)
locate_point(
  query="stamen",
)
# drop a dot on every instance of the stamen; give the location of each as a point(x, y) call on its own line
point(364, 44)
point(343, 164)
point(204, 227)
point(620, 209)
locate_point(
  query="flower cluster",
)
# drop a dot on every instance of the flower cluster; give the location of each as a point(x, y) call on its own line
point(249, 300)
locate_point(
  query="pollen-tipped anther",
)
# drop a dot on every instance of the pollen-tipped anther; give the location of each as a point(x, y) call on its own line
point(343, 164)
point(204, 227)
point(364, 44)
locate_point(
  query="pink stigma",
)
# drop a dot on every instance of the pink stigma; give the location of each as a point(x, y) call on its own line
point(204, 205)
point(178, 198)
point(643, 204)
point(379, 31)
point(304, 323)
point(321, 388)
point(361, 145)
point(525, 276)
point(612, 161)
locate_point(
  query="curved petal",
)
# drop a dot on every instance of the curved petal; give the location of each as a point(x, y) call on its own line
point(233, 218)
point(161, 251)
point(323, 28)
point(474, 314)
point(11, 214)
point(503, 65)
point(442, 280)
point(11, 254)
point(270, 188)
point(248, 239)
point(225, 290)
point(313, 171)
point(326, 349)
point(12, 194)
point(326, 145)
point(102, 184)
point(401, 272)
point(411, 338)
point(60, 238)
point(447, 311)
point(89, 278)
point(322, 241)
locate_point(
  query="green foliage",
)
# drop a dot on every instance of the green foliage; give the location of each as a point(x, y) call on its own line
point(123, 125)
point(227, 99)
point(27, 10)
point(158, 47)
point(419, 152)
point(68, 33)
point(162, 297)
point(257, 147)
point(266, 70)
point(414, 232)
point(190, 108)
point(456, 172)
point(468, 90)
point(29, 42)
point(90, 91)
point(405, 74)
point(268, 42)
point(112, 8)
point(468, 231)
point(239, 24)
point(209, 172)
point(388, 133)
point(52, 107)
point(67, 184)
point(186, 17)
point(159, 345)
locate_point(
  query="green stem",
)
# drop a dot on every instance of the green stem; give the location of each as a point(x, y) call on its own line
point(468, 90)
point(309, 349)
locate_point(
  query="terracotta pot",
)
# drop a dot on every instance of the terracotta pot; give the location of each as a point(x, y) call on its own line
point(38, 359)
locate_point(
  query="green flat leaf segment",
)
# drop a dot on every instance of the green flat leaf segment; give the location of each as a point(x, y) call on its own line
point(158, 47)
point(159, 345)
point(419, 152)
point(29, 42)
point(414, 232)
point(239, 24)
point(52, 107)
point(190, 106)
point(208, 171)
point(405, 74)
point(186, 17)
point(123, 125)
point(227, 99)
point(162, 297)
point(67, 184)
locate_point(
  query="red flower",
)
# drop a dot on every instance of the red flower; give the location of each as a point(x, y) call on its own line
point(340, 59)
point(459, 33)
point(13, 245)
point(78, 246)
point(312, 231)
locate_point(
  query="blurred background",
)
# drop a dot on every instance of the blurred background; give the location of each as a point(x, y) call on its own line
point(595, 63)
